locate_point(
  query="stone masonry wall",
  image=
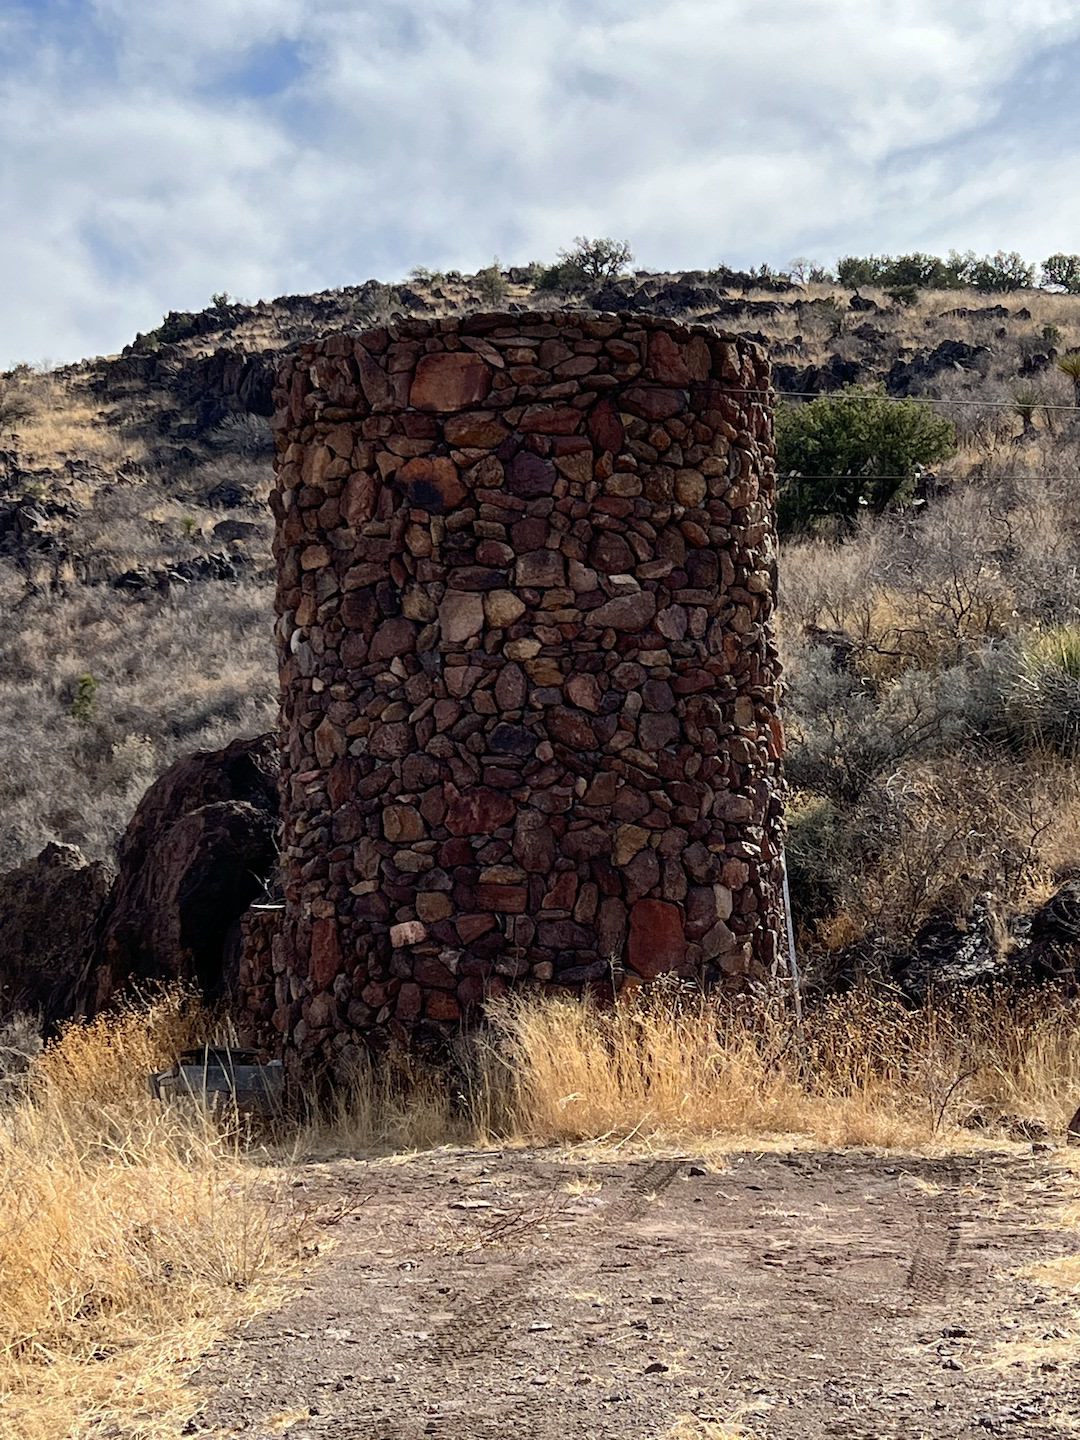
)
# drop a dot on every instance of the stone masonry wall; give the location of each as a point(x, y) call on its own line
point(529, 687)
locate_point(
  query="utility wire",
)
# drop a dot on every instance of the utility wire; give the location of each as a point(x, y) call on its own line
point(904, 399)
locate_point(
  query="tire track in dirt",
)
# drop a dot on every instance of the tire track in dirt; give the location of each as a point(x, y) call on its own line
point(932, 1270)
point(480, 1322)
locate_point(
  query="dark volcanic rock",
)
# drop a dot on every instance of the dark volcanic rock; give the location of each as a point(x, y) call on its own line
point(1053, 950)
point(952, 954)
point(197, 852)
point(49, 908)
point(835, 374)
point(907, 375)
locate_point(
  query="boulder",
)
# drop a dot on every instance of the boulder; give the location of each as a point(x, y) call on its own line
point(49, 908)
point(199, 849)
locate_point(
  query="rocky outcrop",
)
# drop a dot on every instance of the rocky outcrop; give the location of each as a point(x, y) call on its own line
point(909, 377)
point(49, 909)
point(199, 849)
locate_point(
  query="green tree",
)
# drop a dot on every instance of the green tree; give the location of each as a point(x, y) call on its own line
point(855, 450)
point(855, 270)
point(1062, 272)
point(1002, 272)
point(591, 261)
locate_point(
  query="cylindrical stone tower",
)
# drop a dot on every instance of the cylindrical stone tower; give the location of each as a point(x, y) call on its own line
point(529, 686)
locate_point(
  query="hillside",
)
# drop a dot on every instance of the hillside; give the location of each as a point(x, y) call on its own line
point(932, 655)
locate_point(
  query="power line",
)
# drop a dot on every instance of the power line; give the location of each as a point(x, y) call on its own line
point(907, 399)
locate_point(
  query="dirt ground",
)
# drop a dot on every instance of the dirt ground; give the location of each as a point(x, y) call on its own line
point(790, 1295)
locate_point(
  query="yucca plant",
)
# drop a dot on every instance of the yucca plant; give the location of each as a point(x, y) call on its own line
point(1069, 364)
point(1046, 689)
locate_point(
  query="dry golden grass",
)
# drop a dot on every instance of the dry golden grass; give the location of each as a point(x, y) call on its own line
point(664, 1067)
point(131, 1236)
point(64, 421)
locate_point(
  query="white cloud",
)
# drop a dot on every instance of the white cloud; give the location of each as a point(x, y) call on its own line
point(172, 149)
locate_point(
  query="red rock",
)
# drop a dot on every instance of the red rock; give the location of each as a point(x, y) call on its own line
point(550, 420)
point(611, 554)
point(393, 637)
point(605, 428)
point(409, 932)
point(482, 431)
point(540, 569)
point(431, 483)
point(584, 691)
point(666, 361)
point(654, 402)
point(461, 616)
point(325, 953)
point(657, 938)
point(359, 498)
point(453, 380)
point(441, 1005)
point(478, 811)
point(433, 974)
point(409, 1000)
point(562, 893)
point(625, 612)
point(534, 842)
point(571, 728)
point(503, 899)
point(471, 927)
point(530, 476)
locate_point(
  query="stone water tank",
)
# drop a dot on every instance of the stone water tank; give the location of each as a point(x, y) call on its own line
point(529, 685)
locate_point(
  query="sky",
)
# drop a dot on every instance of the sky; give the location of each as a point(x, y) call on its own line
point(154, 152)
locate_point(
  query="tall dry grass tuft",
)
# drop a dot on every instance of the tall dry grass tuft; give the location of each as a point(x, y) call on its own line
point(666, 1066)
point(131, 1234)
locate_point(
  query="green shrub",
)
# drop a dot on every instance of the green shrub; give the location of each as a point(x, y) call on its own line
point(855, 450)
point(904, 295)
point(82, 707)
point(490, 284)
point(854, 271)
point(552, 277)
point(1051, 334)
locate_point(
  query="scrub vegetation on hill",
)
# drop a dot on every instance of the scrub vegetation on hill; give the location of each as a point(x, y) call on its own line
point(929, 611)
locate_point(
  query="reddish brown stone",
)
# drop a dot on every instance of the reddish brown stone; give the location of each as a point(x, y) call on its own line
point(605, 428)
point(409, 1001)
point(325, 953)
point(503, 899)
point(530, 475)
point(431, 483)
point(442, 1006)
point(477, 431)
point(471, 927)
point(550, 419)
point(654, 402)
point(657, 939)
point(450, 381)
point(478, 811)
point(393, 637)
point(667, 360)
